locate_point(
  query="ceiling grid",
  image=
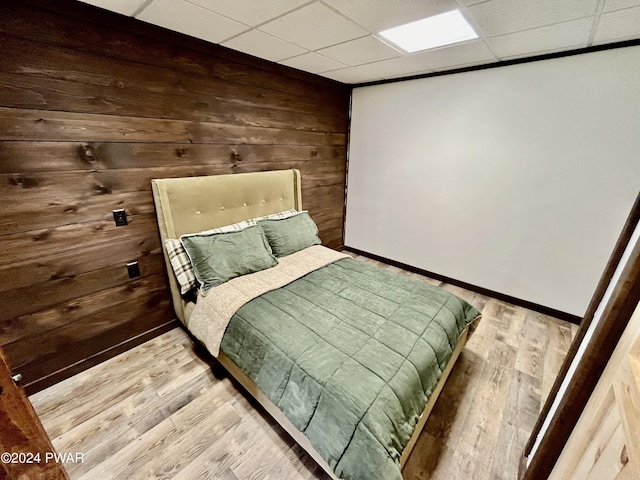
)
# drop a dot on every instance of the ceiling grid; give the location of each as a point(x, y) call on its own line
point(340, 39)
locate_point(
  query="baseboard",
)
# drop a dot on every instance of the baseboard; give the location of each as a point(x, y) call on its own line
point(552, 312)
point(86, 363)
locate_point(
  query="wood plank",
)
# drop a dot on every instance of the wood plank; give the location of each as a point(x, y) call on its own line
point(48, 78)
point(449, 415)
point(21, 124)
point(58, 279)
point(73, 402)
point(609, 462)
point(82, 96)
point(530, 358)
point(23, 246)
point(83, 28)
point(552, 362)
point(519, 417)
point(40, 214)
point(25, 327)
point(39, 157)
point(23, 351)
point(482, 426)
point(15, 187)
point(606, 421)
point(180, 434)
point(238, 444)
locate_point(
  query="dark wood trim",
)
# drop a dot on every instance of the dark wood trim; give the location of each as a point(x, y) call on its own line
point(552, 312)
point(100, 357)
point(22, 433)
point(506, 63)
point(616, 315)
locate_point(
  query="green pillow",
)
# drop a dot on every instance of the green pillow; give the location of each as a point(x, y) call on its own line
point(219, 257)
point(289, 235)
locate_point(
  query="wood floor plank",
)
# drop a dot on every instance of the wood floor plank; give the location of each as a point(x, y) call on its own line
point(530, 359)
point(482, 426)
point(166, 410)
point(521, 412)
point(448, 418)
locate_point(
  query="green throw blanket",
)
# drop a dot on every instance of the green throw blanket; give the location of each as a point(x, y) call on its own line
point(350, 353)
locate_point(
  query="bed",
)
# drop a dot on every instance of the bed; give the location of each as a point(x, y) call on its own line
point(348, 358)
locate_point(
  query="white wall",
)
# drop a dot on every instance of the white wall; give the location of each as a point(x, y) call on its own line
point(516, 179)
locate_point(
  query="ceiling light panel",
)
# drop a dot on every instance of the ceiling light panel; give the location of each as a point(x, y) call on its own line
point(443, 29)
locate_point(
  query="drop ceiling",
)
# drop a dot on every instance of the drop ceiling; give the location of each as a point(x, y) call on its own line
point(339, 39)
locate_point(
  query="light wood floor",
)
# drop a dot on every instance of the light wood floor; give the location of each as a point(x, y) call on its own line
point(166, 410)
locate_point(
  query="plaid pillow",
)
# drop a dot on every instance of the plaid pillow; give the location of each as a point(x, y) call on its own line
point(274, 216)
point(181, 265)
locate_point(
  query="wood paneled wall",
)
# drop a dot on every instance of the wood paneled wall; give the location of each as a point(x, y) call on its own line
point(94, 105)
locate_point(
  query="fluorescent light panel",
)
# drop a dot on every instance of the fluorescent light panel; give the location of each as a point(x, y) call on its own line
point(444, 29)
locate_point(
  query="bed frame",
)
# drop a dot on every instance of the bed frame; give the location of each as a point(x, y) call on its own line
point(193, 204)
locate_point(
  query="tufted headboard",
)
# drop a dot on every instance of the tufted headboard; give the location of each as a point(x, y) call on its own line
point(193, 204)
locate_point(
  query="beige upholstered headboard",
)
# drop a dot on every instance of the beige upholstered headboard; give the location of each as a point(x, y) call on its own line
point(193, 204)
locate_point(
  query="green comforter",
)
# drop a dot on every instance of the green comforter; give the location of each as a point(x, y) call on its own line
point(350, 353)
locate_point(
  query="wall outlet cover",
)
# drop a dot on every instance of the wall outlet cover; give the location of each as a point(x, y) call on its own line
point(120, 217)
point(133, 269)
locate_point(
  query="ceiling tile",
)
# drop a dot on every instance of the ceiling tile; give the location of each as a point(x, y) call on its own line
point(611, 5)
point(363, 50)
point(378, 15)
point(263, 45)
point(467, 3)
point(250, 12)
point(498, 17)
point(125, 7)
point(314, 26)
point(191, 20)
point(350, 75)
point(544, 39)
point(400, 66)
point(312, 62)
point(618, 25)
point(463, 54)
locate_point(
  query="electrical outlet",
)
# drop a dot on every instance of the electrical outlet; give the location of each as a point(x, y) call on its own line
point(133, 269)
point(120, 216)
